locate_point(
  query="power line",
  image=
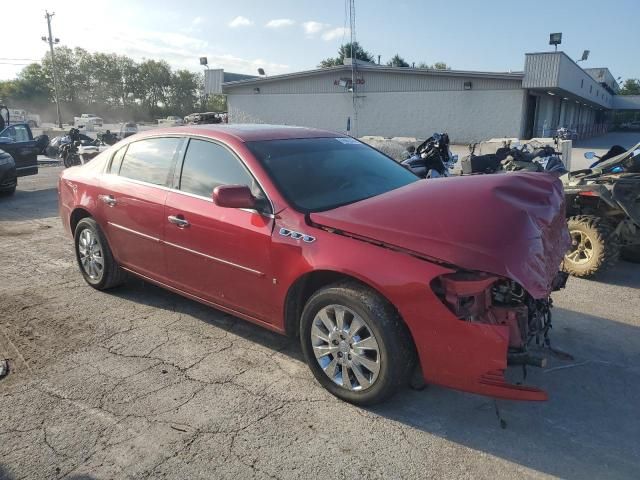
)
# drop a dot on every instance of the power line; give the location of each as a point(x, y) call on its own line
point(20, 59)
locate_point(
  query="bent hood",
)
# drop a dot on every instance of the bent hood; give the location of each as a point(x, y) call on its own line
point(512, 225)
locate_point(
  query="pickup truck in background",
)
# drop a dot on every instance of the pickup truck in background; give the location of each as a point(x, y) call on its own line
point(22, 116)
point(87, 120)
point(18, 155)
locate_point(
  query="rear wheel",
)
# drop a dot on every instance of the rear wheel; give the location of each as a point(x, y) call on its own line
point(96, 262)
point(594, 246)
point(355, 343)
point(631, 253)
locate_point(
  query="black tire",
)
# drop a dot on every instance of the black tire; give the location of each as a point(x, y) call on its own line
point(395, 346)
point(71, 160)
point(599, 238)
point(112, 275)
point(631, 253)
point(8, 191)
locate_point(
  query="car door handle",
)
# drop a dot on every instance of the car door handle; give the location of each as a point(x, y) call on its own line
point(108, 199)
point(178, 220)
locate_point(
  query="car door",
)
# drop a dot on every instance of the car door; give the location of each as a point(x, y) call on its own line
point(131, 199)
point(220, 254)
point(17, 140)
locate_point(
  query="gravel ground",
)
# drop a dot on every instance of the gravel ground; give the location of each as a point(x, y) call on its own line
point(141, 383)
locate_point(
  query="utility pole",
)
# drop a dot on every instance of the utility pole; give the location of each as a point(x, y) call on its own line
point(51, 41)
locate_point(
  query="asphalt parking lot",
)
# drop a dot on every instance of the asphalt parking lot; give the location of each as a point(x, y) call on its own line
point(141, 383)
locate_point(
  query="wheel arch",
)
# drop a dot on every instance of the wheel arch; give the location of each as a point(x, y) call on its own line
point(77, 214)
point(310, 282)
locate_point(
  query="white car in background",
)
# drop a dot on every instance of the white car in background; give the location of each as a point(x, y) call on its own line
point(170, 121)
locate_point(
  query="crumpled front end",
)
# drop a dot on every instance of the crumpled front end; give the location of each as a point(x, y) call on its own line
point(511, 225)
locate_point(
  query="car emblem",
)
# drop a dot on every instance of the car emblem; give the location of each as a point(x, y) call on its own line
point(285, 232)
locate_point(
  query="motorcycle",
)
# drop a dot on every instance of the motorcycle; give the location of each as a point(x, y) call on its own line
point(432, 158)
point(75, 153)
point(534, 156)
point(603, 210)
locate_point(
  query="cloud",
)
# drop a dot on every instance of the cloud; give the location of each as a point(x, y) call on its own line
point(197, 21)
point(311, 27)
point(279, 23)
point(334, 33)
point(240, 21)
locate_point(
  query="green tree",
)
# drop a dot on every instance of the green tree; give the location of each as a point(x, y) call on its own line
point(345, 52)
point(183, 92)
point(631, 86)
point(435, 66)
point(156, 78)
point(70, 83)
point(397, 61)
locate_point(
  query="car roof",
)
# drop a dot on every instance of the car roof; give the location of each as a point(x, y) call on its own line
point(247, 132)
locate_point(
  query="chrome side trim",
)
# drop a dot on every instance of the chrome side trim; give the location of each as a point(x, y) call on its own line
point(134, 232)
point(185, 249)
point(215, 259)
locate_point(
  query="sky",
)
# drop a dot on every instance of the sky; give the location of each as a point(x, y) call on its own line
point(286, 35)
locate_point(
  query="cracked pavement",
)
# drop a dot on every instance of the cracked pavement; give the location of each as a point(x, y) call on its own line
point(141, 383)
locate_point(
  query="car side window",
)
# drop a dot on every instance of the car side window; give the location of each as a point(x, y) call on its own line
point(150, 160)
point(21, 133)
point(207, 165)
point(10, 132)
point(116, 160)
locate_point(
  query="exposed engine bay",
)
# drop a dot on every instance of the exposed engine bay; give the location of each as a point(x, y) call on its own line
point(489, 299)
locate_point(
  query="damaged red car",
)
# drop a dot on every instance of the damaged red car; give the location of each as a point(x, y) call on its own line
point(314, 234)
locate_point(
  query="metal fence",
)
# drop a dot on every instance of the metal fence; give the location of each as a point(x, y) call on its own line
point(577, 131)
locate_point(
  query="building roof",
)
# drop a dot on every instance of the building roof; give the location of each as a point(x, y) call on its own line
point(378, 68)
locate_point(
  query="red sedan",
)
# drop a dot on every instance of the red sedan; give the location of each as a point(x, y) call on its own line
point(313, 234)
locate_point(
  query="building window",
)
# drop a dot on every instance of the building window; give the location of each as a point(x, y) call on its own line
point(582, 83)
point(590, 88)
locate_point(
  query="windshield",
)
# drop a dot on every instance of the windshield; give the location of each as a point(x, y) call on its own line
point(316, 174)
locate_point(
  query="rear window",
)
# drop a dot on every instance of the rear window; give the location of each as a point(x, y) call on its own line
point(150, 160)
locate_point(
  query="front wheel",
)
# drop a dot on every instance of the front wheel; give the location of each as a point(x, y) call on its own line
point(594, 246)
point(355, 343)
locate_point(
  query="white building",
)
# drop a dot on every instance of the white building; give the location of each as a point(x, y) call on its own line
point(551, 92)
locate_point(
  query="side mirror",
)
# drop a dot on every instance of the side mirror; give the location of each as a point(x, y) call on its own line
point(589, 155)
point(234, 196)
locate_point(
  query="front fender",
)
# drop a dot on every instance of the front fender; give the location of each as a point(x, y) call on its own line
point(466, 356)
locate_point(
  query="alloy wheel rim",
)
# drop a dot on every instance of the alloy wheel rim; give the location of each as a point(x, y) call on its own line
point(345, 347)
point(582, 251)
point(91, 255)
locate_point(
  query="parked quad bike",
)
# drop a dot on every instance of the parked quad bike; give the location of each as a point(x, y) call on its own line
point(603, 209)
point(603, 201)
